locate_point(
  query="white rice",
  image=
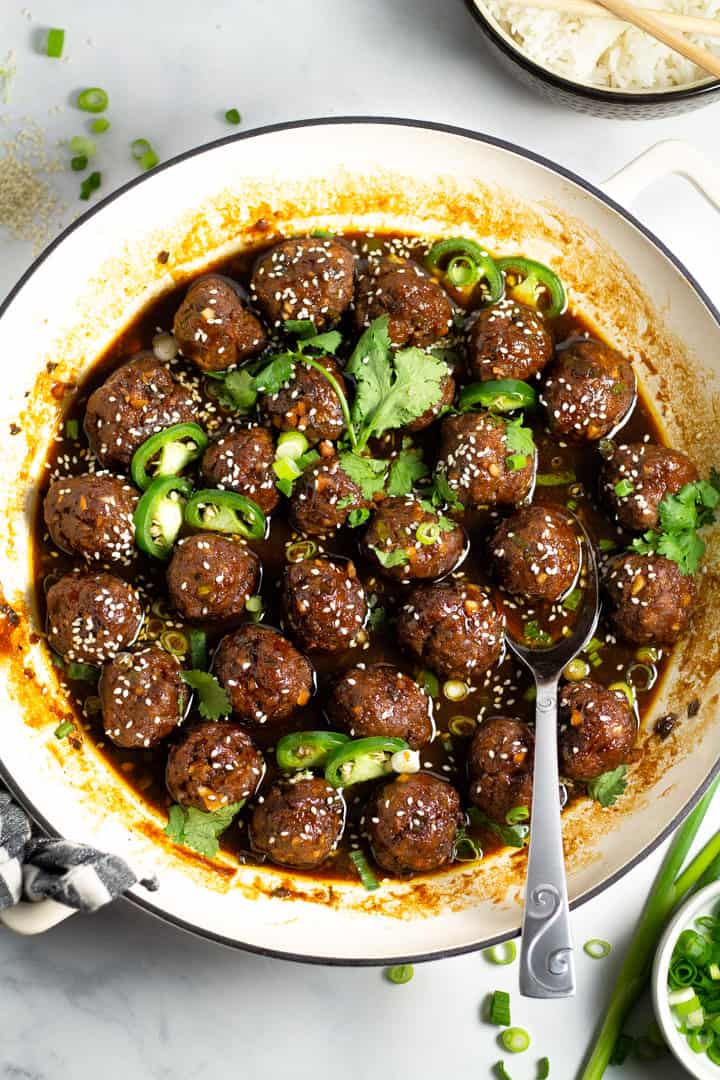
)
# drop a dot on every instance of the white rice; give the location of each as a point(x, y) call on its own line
point(605, 52)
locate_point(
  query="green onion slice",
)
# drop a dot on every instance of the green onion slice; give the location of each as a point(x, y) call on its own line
point(500, 1008)
point(100, 125)
point(83, 146)
point(597, 948)
point(90, 183)
point(233, 116)
point(515, 1040)
point(500, 1071)
point(300, 550)
point(401, 973)
point(543, 1068)
point(517, 815)
point(55, 43)
point(291, 444)
point(557, 479)
point(502, 954)
point(93, 100)
point(428, 532)
point(64, 729)
point(429, 682)
point(78, 164)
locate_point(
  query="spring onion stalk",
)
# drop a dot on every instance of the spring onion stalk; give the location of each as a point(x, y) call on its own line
point(638, 960)
point(695, 870)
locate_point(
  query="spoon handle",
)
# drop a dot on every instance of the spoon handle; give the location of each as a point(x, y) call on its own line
point(546, 962)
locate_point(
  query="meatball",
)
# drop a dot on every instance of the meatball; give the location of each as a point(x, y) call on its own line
point(536, 553)
point(298, 823)
point(480, 466)
point(242, 461)
point(92, 515)
point(651, 598)
point(143, 697)
point(508, 341)
point(92, 617)
point(380, 700)
point(305, 278)
point(447, 387)
point(308, 403)
point(589, 391)
point(213, 328)
point(652, 472)
point(597, 729)
point(324, 604)
point(412, 823)
point(500, 762)
point(215, 764)
point(453, 628)
point(266, 678)
point(418, 310)
point(407, 542)
point(211, 576)
point(137, 400)
point(323, 497)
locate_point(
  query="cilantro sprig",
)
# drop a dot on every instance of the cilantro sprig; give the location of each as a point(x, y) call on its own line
point(511, 835)
point(679, 518)
point(199, 829)
point(213, 700)
point(607, 788)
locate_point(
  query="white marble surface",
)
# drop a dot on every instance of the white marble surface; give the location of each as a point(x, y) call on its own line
point(120, 995)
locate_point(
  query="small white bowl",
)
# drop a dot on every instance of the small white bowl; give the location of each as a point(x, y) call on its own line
point(704, 902)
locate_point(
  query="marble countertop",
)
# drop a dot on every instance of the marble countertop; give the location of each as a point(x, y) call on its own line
point(120, 994)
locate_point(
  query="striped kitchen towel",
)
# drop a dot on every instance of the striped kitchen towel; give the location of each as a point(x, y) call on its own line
point(35, 867)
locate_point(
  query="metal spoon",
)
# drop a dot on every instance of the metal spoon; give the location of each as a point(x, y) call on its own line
point(546, 962)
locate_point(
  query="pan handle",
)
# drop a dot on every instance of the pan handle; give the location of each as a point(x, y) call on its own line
point(670, 157)
point(35, 918)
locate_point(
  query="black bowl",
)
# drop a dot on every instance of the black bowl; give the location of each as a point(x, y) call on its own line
point(614, 104)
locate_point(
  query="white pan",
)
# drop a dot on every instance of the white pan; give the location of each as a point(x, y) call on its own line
point(362, 174)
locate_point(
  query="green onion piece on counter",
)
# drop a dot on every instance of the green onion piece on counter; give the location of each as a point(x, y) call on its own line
point(446, 253)
point(233, 116)
point(530, 277)
point(365, 873)
point(307, 749)
point(72, 428)
point(198, 650)
point(502, 954)
point(515, 1040)
point(78, 164)
point(359, 760)
point(597, 948)
point(225, 512)
point(500, 1071)
point(401, 973)
point(90, 183)
point(100, 125)
point(93, 100)
point(64, 729)
point(149, 160)
point(429, 682)
point(500, 1008)
point(55, 43)
point(543, 1069)
point(83, 146)
point(557, 479)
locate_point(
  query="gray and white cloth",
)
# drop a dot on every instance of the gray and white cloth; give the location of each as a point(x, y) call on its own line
point(36, 868)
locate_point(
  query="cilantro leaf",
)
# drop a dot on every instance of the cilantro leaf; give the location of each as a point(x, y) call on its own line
point(368, 473)
point(511, 835)
point(237, 391)
point(277, 372)
point(301, 328)
point(371, 368)
point(684, 548)
point(358, 517)
point(417, 386)
point(214, 702)
point(645, 544)
point(519, 439)
point(680, 516)
point(377, 617)
point(326, 343)
point(407, 468)
point(607, 788)
point(198, 829)
point(442, 494)
point(392, 557)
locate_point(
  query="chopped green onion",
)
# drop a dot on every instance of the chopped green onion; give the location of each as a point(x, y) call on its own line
point(648, 655)
point(530, 694)
point(607, 545)
point(558, 479)
point(365, 873)
point(93, 100)
point(714, 972)
point(143, 153)
point(576, 670)
point(428, 532)
point(401, 973)
point(573, 600)
point(64, 729)
point(515, 462)
point(291, 444)
point(149, 160)
point(90, 183)
point(429, 682)
point(501, 954)
point(623, 688)
point(623, 488)
point(72, 428)
point(455, 690)
point(83, 146)
point(254, 603)
point(622, 1050)
point(286, 468)
point(597, 948)
point(233, 116)
point(464, 849)
point(174, 642)
point(55, 43)
point(82, 672)
point(78, 164)
point(515, 1040)
point(500, 1008)
point(462, 726)
point(543, 1068)
point(500, 1071)
point(714, 1053)
point(101, 124)
point(647, 673)
point(198, 650)
point(300, 550)
point(517, 815)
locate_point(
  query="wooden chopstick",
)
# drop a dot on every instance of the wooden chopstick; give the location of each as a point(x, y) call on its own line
point(644, 20)
point(689, 24)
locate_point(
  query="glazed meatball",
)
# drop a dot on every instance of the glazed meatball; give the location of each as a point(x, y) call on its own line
point(215, 764)
point(409, 543)
point(597, 729)
point(211, 576)
point(650, 597)
point(447, 387)
point(323, 498)
point(412, 823)
point(536, 553)
point(305, 278)
point(453, 628)
point(418, 310)
point(298, 823)
point(143, 697)
point(508, 341)
point(479, 465)
point(265, 677)
point(308, 403)
point(213, 328)
point(380, 700)
point(589, 392)
point(92, 617)
point(500, 762)
point(92, 516)
point(242, 461)
point(653, 472)
point(137, 400)
point(324, 604)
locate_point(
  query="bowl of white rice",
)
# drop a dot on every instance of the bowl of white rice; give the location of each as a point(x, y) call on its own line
point(600, 64)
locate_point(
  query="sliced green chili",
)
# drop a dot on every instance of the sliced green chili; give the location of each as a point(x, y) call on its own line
point(307, 749)
point(498, 395)
point(225, 512)
point(359, 760)
point(531, 276)
point(463, 254)
point(93, 100)
point(167, 453)
point(159, 515)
